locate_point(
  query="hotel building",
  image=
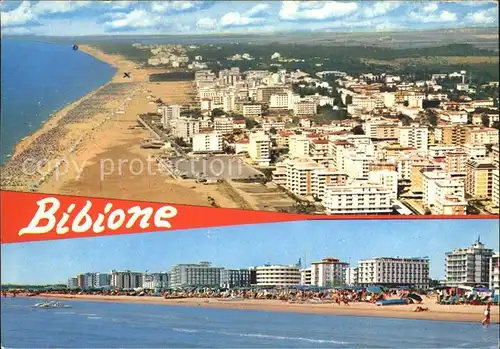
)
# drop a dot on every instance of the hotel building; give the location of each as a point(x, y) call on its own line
point(305, 277)
point(298, 146)
point(230, 278)
point(495, 273)
point(185, 128)
point(258, 148)
point(479, 178)
point(169, 113)
point(125, 279)
point(329, 272)
point(202, 274)
point(394, 272)
point(468, 266)
point(155, 281)
point(414, 136)
point(278, 275)
point(358, 199)
point(208, 142)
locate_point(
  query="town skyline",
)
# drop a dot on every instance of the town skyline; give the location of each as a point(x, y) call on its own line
point(53, 262)
point(208, 17)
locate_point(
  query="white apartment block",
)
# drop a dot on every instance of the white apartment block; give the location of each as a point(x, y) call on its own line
point(495, 187)
point(437, 151)
point(299, 176)
point(102, 280)
point(351, 276)
point(449, 197)
point(202, 274)
point(186, 128)
point(155, 281)
point(358, 199)
point(223, 124)
point(208, 142)
point(278, 275)
point(298, 146)
point(357, 164)
point(252, 110)
point(305, 277)
point(230, 278)
point(483, 136)
point(169, 113)
point(329, 272)
point(258, 148)
point(281, 101)
point(304, 108)
point(125, 279)
point(393, 272)
point(323, 178)
point(468, 266)
point(386, 178)
point(367, 103)
point(414, 136)
point(495, 273)
point(429, 178)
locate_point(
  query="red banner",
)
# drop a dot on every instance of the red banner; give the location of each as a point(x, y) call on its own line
point(29, 217)
point(34, 217)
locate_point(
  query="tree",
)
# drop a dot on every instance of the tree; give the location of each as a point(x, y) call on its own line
point(406, 103)
point(432, 117)
point(485, 119)
point(348, 99)
point(358, 130)
point(251, 123)
point(272, 130)
point(218, 112)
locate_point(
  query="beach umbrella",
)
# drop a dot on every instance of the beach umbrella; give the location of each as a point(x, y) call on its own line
point(415, 297)
point(374, 289)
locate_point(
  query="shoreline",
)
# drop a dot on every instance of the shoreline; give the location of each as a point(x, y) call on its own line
point(56, 115)
point(436, 312)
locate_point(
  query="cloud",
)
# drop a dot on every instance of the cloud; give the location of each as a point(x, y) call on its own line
point(489, 16)
point(431, 7)
point(380, 8)
point(120, 5)
point(257, 10)
point(441, 17)
point(136, 19)
point(175, 6)
point(21, 15)
point(206, 23)
point(235, 19)
point(475, 3)
point(50, 7)
point(315, 10)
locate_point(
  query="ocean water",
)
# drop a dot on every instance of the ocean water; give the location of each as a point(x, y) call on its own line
point(121, 325)
point(38, 79)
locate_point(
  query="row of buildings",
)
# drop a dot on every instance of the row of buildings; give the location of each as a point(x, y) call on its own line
point(472, 266)
point(387, 165)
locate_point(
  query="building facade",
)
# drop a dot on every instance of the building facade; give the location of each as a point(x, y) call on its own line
point(202, 274)
point(329, 272)
point(394, 272)
point(278, 275)
point(468, 266)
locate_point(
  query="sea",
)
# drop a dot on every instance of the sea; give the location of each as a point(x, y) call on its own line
point(39, 78)
point(125, 325)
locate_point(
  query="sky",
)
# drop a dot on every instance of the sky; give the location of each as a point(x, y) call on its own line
point(245, 246)
point(74, 18)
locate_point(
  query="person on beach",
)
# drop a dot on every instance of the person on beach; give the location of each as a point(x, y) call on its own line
point(487, 315)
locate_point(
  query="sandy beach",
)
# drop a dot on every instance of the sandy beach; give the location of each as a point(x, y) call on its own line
point(435, 311)
point(97, 132)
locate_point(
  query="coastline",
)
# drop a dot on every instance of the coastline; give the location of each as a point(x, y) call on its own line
point(101, 128)
point(436, 312)
point(55, 116)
